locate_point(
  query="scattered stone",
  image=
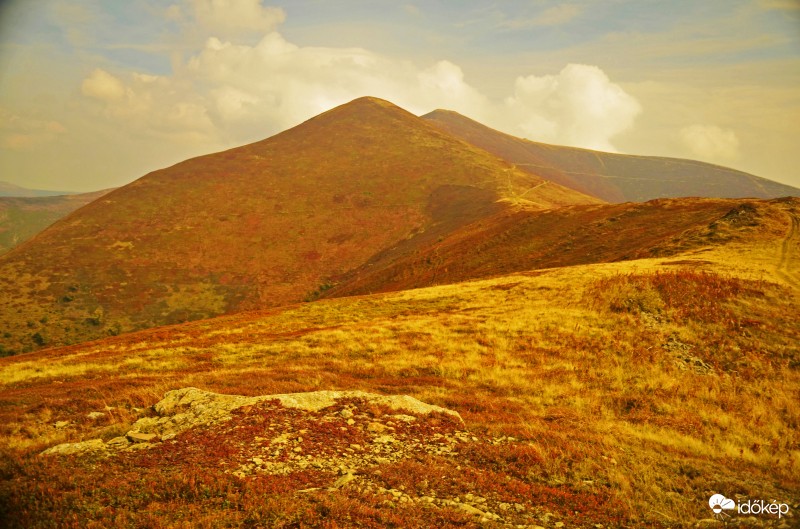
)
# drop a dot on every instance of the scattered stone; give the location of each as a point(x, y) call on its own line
point(469, 509)
point(342, 481)
point(118, 442)
point(354, 455)
point(140, 446)
point(94, 415)
point(139, 437)
point(85, 447)
point(376, 427)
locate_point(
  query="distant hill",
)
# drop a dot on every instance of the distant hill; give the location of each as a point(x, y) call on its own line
point(23, 217)
point(261, 225)
point(612, 177)
point(11, 190)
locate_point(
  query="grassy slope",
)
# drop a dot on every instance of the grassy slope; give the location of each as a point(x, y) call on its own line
point(522, 239)
point(612, 177)
point(256, 226)
point(633, 390)
point(22, 218)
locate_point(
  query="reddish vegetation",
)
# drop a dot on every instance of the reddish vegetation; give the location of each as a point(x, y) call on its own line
point(261, 225)
point(590, 394)
point(512, 241)
point(231, 475)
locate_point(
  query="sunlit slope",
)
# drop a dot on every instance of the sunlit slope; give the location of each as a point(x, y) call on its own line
point(523, 239)
point(259, 225)
point(594, 393)
point(23, 217)
point(612, 177)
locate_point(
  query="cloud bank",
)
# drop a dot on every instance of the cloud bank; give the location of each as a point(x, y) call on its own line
point(580, 106)
point(245, 81)
point(710, 142)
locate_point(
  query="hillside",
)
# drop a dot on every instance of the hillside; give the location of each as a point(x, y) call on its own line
point(256, 226)
point(8, 189)
point(23, 217)
point(618, 394)
point(519, 239)
point(612, 177)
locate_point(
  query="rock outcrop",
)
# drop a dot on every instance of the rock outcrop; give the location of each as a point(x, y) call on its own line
point(186, 408)
point(320, 442)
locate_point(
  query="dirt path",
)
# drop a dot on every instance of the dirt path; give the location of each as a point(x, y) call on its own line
point(788, 266)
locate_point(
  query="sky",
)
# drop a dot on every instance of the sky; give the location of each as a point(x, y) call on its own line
point(96, 93)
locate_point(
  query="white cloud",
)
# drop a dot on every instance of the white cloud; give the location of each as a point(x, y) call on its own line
point(580, 106)
point(25, 133)
point(102, 85)
point(231, 92)
point(710, 142)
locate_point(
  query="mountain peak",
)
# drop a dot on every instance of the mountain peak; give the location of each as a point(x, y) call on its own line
point(261, 225)
point(371, 100)
point(366, 106)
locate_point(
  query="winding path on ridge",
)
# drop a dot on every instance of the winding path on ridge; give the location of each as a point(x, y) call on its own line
point(785, 269)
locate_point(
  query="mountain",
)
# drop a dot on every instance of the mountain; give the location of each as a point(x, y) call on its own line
point(619, 395)
point(612, 177)
point(23, 217)
point(8, 189)
point(261, 225)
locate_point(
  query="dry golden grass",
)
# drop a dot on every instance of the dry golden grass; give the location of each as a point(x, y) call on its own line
point(644, 385)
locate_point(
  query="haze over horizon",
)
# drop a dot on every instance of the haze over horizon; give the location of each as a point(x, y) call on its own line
point(96, 94)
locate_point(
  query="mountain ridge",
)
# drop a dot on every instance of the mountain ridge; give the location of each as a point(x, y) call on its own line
point(588, 170)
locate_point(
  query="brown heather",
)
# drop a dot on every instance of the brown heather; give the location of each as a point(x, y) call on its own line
point(625, 394)
point(256, 226)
